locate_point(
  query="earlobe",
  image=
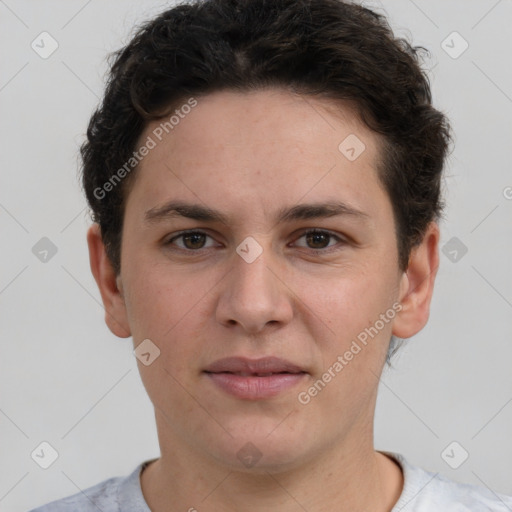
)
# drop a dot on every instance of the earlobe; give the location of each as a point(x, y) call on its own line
point(108, 283)
point(417, 285)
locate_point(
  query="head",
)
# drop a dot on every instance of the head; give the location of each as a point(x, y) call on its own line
point(252, 110)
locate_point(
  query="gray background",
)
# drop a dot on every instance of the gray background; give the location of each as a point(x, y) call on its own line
point(66, 380)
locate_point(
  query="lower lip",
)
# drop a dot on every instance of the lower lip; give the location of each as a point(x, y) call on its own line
point(255, 388)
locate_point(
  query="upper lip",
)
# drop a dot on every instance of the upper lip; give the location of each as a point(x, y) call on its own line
point(255, 366)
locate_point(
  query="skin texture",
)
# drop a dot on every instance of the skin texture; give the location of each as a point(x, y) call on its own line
point(250, 155)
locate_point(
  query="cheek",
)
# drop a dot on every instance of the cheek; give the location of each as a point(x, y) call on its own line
point(351, 307)
point(351, 300)
point(354, 350)
point(167, 307)
point(153, 301)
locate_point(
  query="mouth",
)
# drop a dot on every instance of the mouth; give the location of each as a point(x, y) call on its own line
point(254, 379)
point(259, 374)
point(263, 366)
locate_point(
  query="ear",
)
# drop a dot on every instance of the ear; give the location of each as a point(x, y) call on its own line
point(417, 285)
point(108, 283)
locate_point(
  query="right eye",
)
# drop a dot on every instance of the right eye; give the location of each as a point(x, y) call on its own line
point(192, 241)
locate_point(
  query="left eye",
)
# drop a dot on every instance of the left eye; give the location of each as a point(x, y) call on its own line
point(319, 239)
point(196, 240)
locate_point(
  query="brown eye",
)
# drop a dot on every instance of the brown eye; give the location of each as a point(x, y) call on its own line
point(317, 240)
point(194, 240)
point(191, 240)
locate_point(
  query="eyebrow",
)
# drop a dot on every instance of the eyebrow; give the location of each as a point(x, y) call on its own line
point(175, 209)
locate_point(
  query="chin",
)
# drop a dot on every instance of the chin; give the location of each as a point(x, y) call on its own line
point(263, 447)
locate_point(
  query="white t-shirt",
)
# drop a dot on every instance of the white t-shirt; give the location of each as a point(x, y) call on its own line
point(423, 491)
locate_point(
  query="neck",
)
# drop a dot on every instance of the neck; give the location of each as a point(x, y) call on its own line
point(349, 477)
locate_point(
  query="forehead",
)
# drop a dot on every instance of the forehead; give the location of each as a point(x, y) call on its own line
point(259, 147)
point(270, 117)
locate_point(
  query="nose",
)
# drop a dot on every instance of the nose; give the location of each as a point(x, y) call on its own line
point(254, 295)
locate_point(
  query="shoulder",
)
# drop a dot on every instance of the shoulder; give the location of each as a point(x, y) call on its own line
point(100, 496)
point(425, 491)
point(117, 494)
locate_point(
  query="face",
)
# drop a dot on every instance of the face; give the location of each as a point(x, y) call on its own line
point(288, 266)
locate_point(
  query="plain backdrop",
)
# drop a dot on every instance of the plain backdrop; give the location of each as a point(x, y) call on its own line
point(66, 380)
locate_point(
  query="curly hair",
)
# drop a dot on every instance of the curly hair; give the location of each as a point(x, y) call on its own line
point(332, 49)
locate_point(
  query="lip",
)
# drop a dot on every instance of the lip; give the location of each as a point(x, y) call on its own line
point(254, 379)
point(254, 366)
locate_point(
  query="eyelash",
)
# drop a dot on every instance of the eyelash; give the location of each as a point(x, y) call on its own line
point(325, 250)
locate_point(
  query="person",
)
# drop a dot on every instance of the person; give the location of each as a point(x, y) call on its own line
point(264, 178)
